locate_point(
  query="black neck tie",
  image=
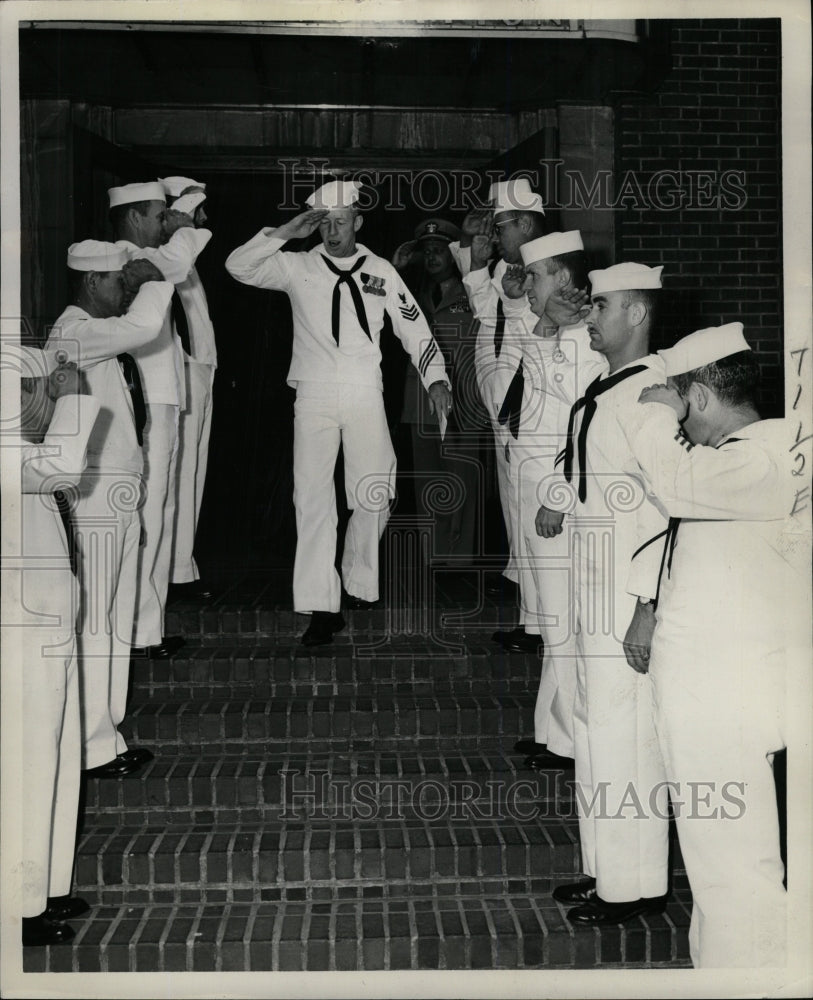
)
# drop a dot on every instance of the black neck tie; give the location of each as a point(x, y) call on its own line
point(130, 371)
point(588, 403)
point(63, 505)
point(499, 328)
point(437, 295)
point(180, 321)
point(512, 404)
point(358, 301)
point(668, 551)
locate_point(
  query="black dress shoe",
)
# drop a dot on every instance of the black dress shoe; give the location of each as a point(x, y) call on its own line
point(116, 768)
point(138, 755)
point(40, 931)
point(353, 603)
point(65, 907)
point(166, 647)
point(496, 584)
point(323, 625)
point(598, 911)
point(519, 641)
point(546, 760)
point(196, 590)
point(528, 745)
point(575, 892)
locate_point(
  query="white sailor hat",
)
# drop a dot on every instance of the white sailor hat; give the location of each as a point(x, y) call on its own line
point(334, 195)
point(188, 202)
point(704, 347)
point(175, 186)
point(95, 255)
point(32, 362)
point(625, 277)
point(127, 194)
point(551, 245)
point(514, 196)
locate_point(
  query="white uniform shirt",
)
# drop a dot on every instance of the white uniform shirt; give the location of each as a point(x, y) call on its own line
point(48, 584)
point(740, 553)
point(201, 331)
point(309, 284)
point(94, 344)
point(160, 363)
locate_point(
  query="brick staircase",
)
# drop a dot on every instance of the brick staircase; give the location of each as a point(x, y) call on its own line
point(354, 807)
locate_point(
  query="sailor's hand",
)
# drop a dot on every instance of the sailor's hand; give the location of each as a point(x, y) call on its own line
point(175, 220)
point(139, 271)
point(567, 306)
point(513, 281)
point(476, 223)
point(301, 225)
point(440, 399)
point(664, 394)
point(548, 522)
point(482, 248)
point(404, 255)
point(638, 640)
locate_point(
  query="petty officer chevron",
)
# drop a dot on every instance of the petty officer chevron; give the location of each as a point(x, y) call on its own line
point(736, 562)
point(339, 292)
point(617, 536)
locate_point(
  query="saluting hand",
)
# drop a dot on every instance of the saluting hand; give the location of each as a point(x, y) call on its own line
point(482, 246)
point(440, 399)
point(175, 220)
point(513, 281)
point(568, 306)
point(301, 225)
point(476, 223)
point(664, 394)
point(139, 271)
point(404, 254)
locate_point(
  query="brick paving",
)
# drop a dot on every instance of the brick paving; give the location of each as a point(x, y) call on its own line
point(355, 807)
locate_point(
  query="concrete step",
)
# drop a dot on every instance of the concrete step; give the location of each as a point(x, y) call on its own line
point(425, 930)
point(287, 669)
point(316, 723)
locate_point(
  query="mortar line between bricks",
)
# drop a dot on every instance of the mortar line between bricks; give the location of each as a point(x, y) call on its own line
point(204, 864)
point(304, 936)
point(672, 936)
point(331, 936)
point(546, 934)
point(111, 930)
point(492, 930)
point(357, 912)
point(518, 936)
point(248, 934)
point(413, 935)
point(221, 933)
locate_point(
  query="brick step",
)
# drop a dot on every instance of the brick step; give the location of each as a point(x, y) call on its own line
point(286, 669)
point(183, 788)
point(286, 859)
point(478, 931)
point(232, 726)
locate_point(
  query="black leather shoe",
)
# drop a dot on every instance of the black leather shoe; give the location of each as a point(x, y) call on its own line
point(323, 625)
point(116, 768)
point(549, 761)
point(166, 647)
point(196, 590)
point(65, 907)
point(138, 755)
point(495, 585)
point(528, 745)
point(598, 911)
point(575, 892)
point(519, 641)
point(353, 603)
point(40, 931)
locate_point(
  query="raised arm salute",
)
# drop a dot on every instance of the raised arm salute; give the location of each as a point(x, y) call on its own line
point(339, 292)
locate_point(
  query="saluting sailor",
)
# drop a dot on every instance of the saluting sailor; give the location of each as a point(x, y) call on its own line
point(98, 332)
point(339, 292)
point(737, 561)
point(617, 536)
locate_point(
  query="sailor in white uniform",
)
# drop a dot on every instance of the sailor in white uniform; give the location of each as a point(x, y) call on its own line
point(557, 350)
point(616, 534)
point(737, 560)
point(339, 292)
point(141, 224)
point(98, 335)
point(51, 733)
point(200, 363)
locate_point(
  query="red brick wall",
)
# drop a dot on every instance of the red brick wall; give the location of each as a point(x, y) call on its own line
point(718, 111)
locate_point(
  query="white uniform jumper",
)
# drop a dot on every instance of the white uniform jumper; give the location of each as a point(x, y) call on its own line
point(725, 623)
point(162, 377)
point(106, 513)
point(339, 401)
point(52, 742)
point(616, 535)
point(195, 426)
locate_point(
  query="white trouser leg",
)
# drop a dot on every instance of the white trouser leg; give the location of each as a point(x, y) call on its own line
point(619, 770)
point(717, 732)
point(158, 517)
point(316, 444)
point(194, 430)
point(493, 384)
point(107, 536)
point(51, 765)
point(369, 475)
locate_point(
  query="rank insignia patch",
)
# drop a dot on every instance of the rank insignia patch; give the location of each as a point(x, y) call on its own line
point(408, 312)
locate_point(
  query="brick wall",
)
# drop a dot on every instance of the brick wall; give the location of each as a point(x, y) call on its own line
point(712, 128)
